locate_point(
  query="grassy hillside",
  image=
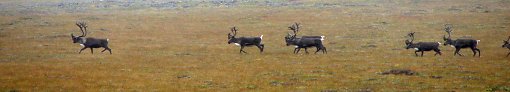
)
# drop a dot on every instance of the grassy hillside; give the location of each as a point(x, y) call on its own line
point(182, 45)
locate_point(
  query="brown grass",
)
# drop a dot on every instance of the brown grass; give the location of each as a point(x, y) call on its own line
point(186, 49)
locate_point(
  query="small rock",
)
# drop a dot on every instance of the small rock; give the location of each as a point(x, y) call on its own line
point(103, 29)
point(436, 77)
point(183, 76)
point(26, 18)
point(371, 79)
point(369, 46)
point(182, 54)
point(274, 83)
point(399, 72)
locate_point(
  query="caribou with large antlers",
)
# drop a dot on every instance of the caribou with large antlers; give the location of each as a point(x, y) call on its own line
point(506, 44)
point(422, 46)
point(245, 41)
point(304, 41)
point(460, 43)
point(89, 42)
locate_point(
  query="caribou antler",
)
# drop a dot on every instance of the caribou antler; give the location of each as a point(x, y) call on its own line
point(234, 31)
point(292, 27)
point(83, 27)
point(448, 29)
point(411, 35)
point(295, 28)
point(410, 39)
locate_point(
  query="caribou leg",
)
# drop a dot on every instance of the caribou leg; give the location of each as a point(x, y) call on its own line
point(318, 49)
point(298, 49)
point(306, 50)
point(324, 50)
point(437, 52)
point(82, 49)
point(103, 50)
point(261, 48)
point(241, 50)
point(106, 48)
point(91, 50)
point(422, 53)
point(457, 52)
point(415, 52)
point(476, 49)
point(110, 50)
point(262, 45)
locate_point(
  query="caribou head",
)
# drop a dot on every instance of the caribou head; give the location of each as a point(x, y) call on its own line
point(232, 36)
point(290, 38)
point(409, 42)
point(448, 30)
point(83, 28)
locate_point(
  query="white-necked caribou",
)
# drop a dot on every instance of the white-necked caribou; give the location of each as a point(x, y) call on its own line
point(422, 46)
point(245, 41)
point(460, 43)
point(89, 42)
point(304, 41)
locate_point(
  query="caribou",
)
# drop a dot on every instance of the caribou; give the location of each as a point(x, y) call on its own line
point(89, 42)
point(422, 46)
point(304, 41)
point(460, 43)
point(506, 44)
point(245, 41)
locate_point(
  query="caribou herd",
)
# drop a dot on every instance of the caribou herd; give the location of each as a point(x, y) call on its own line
point(305, 42)
point(457, 44)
